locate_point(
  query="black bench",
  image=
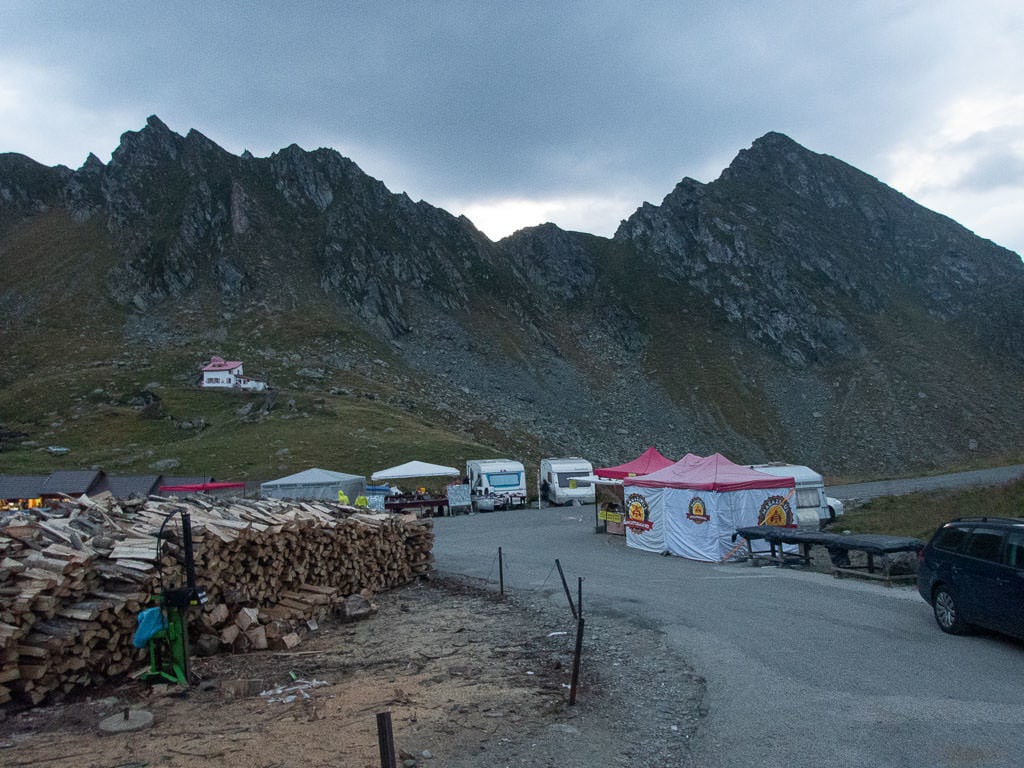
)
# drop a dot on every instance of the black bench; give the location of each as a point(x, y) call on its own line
point(839, 547)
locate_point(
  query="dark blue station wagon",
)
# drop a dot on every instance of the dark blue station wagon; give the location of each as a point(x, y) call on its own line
point(972, 574)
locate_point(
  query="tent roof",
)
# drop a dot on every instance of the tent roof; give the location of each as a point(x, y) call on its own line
point(415, 469)
point(713, 473)
point(200, 487)
point(649, 461)
point(312, 477)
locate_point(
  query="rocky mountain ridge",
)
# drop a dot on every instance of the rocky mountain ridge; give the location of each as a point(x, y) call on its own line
point(794, 309)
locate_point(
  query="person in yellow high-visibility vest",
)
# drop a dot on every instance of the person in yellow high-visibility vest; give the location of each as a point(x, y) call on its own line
point(342, 498)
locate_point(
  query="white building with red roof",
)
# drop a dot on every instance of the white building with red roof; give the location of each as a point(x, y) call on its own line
point(228, 374)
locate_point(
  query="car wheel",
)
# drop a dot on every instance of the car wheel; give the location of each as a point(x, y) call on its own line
point(947, 611)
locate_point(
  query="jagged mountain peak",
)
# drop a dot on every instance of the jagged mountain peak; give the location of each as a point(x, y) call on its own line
point(783, 221)
point(548, 256)
point(328, 160)
point(777, 160)
point(200, 141)
point(153, 142)
point(774, 142)
point(13, 160)
point(92, 164)
point(777, 312)
point(546, 230)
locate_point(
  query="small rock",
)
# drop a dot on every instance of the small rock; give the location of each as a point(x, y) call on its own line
point(566, 728)
point(357, 606)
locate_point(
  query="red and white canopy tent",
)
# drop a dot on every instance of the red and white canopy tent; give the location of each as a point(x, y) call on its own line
point(607, 482)
point(692, 508)
point(647, 462)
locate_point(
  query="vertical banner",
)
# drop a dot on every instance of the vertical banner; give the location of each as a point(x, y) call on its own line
point(692, 523)
point(643, 518)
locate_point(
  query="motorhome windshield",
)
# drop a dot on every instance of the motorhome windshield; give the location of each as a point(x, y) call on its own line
point(503, 479)
point(565, 477)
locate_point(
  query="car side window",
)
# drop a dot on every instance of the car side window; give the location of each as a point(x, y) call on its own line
point(1014, 555)
point(985, 544)
point(950, 538)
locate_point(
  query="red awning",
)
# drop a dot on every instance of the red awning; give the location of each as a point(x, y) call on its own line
point(201, 487)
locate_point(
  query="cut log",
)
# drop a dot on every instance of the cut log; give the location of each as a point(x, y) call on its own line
point(216, 615)
point(87, 610)
point(68, 610)
point(229, 634)
point(257, 637)
point(246, 618)
point(33, 671)
point(291, 640)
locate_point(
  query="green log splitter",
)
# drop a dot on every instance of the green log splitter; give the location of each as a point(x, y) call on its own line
point(169, 647)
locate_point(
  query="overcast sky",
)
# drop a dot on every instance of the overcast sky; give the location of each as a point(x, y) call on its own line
point(524, 112)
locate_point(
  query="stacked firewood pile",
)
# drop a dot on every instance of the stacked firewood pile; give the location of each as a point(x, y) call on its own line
point(74, 578)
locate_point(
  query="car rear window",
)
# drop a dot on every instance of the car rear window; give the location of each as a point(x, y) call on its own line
point(950, 538)
point(985, 544)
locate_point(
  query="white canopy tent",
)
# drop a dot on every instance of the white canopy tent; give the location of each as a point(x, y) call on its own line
point(414, 469)
point(315, 484)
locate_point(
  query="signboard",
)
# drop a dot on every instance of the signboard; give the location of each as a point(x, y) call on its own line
point(610, 506)
point(609, 516)
point(458, 496)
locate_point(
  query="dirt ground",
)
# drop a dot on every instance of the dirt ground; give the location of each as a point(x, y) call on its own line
point(469, 678)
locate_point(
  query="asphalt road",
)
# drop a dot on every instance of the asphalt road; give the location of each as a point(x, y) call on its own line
point(977, 477)
point(802, 670)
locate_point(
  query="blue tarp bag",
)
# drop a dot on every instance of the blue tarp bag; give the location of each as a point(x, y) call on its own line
point(151, 621)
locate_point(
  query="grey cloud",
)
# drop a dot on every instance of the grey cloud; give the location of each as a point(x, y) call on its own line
point(995, 163)
point(994, 170)
point(463, 99)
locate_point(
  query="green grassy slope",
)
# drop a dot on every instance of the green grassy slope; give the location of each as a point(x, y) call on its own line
point(920, 514)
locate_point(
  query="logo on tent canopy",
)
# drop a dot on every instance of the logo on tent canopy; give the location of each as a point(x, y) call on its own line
point(698, 511)
point(775, 510)
point(638, 513)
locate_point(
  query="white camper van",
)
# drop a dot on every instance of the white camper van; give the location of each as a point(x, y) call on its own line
point(813, 508)
point(558, 481)
point(496, 483)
